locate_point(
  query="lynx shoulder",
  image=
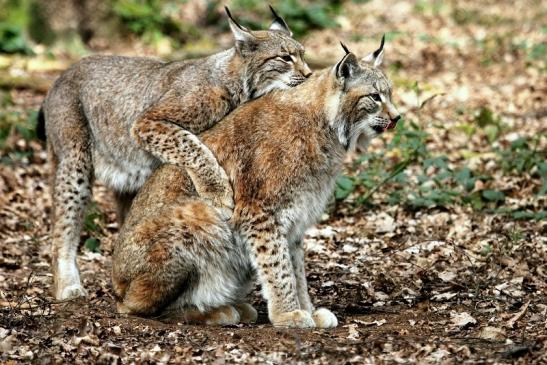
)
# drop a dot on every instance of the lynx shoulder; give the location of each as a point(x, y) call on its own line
point(175, 255)
point(117, 118)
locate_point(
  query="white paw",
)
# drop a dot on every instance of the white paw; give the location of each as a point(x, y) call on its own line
point(324, 318)
point(71, 292)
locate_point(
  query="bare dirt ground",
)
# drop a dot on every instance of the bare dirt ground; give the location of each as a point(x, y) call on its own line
point(446, 284)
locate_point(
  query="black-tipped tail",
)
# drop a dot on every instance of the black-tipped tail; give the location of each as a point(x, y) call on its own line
point(41, 125)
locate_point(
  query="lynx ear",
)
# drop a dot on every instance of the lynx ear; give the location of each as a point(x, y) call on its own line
point(345, 48)
point(279, 23)
point(376, 57)
point(347, 67)
point(241, 33)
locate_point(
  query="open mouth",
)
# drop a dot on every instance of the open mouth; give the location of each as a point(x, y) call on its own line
point(381, 129)
point(391, 125)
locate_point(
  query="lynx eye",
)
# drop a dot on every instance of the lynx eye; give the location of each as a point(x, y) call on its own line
point(376, 97)
point(286, 58)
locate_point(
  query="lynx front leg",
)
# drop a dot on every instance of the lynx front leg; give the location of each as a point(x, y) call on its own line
point(297, 259)
point(159, 131)
point(71, 191)
point(322, 317)
point(275, 271)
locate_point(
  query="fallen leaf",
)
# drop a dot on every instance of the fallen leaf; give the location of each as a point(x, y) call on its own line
point(492, 333)
point(353, 334)
point(443, 296)
point(462, 319)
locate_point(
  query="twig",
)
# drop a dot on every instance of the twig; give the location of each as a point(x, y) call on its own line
point(394, 173)
point(511, 323)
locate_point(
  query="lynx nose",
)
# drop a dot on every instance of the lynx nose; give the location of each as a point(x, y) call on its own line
point(306, 71)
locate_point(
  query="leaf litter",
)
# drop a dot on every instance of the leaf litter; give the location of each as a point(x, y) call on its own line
point(440, 284)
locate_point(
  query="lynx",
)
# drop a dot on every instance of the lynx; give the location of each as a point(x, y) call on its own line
point(175, 255)
point(118, 118)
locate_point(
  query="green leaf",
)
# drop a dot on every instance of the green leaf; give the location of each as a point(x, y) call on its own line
point(92, 244)
point(492, 132)
point(465, 178)
point(493, 195)
point(344, 187)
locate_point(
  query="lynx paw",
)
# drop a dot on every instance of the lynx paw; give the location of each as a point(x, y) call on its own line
point(223, 316)
point(247, 313)
point(222, 201)
point(73, 291)
point(295, 319)
point(324, 318)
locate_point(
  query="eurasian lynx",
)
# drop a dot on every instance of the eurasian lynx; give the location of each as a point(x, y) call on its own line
point(282, 152)
point(118, 118)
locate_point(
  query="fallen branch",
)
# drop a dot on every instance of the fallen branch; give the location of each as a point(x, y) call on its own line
point(35, 83)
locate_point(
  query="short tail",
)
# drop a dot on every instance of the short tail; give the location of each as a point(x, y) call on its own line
point(41, 125)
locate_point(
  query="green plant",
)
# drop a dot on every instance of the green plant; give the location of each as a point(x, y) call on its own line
point(12, 39)
point(153, 19)
point(16, 124)
point(13, 20)
point(523, 155)
point(433, 180)
point(302, 16)
point(93, 223)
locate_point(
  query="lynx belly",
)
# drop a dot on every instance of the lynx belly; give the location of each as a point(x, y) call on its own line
point(124, 176)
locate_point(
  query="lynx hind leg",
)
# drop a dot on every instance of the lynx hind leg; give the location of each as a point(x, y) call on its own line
point(71, 192)
point(186, 264)
point(149, 293)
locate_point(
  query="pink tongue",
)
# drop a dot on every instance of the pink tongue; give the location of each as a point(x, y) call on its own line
point(391, 125)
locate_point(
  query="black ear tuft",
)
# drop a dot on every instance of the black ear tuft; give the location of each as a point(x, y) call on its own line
point(345, 48)
point(279, 23)
point(232, 18)
point(379, 50)
point(274, 13)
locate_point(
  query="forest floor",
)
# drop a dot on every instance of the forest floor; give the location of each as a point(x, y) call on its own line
point(424, 278)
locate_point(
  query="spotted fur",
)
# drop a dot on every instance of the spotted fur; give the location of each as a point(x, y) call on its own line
point(117, 118)
point(282, 153)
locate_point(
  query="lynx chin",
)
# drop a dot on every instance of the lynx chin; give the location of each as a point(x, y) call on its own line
point(117, 119)
point(177, 256)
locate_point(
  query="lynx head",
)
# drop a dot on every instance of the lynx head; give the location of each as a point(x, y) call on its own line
point(362, 99)
point(272, 59)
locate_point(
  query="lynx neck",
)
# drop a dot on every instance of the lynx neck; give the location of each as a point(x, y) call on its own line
point(228, 69)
